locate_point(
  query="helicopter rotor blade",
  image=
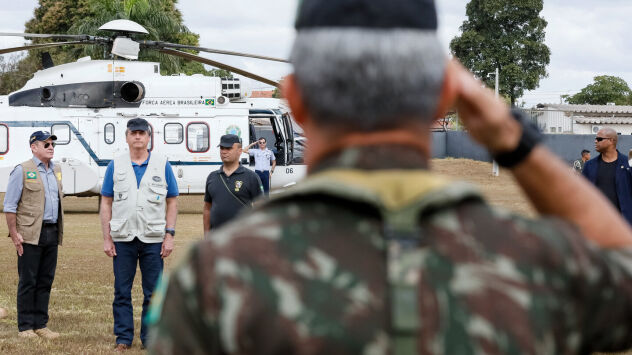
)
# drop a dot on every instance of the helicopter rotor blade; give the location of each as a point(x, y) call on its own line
point(168, 45)
point(42, 45)
point(46, 35)
point(213, 63)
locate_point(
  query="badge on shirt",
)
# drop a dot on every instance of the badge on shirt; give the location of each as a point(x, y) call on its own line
point(156, 178)
point(31, 175)
point(59, 176)
point(238, 185)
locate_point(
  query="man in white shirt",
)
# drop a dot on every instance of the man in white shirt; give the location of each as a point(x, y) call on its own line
point(265, 162)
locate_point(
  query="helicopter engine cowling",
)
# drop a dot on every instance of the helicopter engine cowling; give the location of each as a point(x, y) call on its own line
point(91, 94)
point(132, 91)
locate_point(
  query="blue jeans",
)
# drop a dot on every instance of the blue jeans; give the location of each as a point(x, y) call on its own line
point(264, 175)
point(128, 255)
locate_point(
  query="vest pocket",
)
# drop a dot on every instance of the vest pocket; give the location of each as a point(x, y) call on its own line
point(25, 219)
point(156, 228)
point(120, 175)
point(33, 186)
point(116, 225)
point(120, 195)
point(156, 194)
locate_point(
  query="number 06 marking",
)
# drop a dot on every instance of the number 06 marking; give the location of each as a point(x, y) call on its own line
point(289, 170)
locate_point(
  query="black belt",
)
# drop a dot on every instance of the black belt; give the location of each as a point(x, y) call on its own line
point(46, 224)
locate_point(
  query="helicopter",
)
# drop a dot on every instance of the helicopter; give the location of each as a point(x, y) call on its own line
point(87, 104)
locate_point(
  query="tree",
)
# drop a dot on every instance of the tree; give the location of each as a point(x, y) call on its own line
point(603, 90)
point(504, 34)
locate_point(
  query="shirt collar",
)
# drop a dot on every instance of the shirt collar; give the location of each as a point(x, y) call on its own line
point(240, 169)
point(145, 162)
point(376, 157)
point(39, 162)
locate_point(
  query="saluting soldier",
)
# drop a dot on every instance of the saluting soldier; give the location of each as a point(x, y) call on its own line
point(373, 253)
point(34, 212)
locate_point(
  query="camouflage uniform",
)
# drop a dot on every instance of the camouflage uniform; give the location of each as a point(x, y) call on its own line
point(336, 266)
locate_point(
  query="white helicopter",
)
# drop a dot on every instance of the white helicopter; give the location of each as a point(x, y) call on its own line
point(87, 104)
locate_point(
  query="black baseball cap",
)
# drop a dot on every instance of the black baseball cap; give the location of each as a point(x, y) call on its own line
point(372, 14)
point(138, 124)
point(228, 140)
point(41, 136)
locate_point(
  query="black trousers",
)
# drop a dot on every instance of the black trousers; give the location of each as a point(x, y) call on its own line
point(36, 269)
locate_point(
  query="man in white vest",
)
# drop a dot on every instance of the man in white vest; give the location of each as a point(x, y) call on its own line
point(138, 218)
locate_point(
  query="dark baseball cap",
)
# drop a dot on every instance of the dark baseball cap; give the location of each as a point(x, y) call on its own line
point(41, 136)
point(373, 14)
point(138, 124)
point(228, 140)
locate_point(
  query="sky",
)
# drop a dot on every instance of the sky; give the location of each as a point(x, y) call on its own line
point(586, 38)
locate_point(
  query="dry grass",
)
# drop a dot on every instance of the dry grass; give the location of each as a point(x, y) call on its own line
point(81, 299)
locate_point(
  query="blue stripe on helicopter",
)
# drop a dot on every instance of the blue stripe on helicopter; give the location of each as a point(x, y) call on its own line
point(86, 146)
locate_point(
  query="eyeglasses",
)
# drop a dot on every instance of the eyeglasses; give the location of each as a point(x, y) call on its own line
point(599, 139)
point(262, 142)
point(46, 145)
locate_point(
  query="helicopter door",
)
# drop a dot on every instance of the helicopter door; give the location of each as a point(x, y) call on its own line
point(289, 134)
point(271, 128)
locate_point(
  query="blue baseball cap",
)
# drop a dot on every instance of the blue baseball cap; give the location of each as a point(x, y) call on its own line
point(138, 124)
point(41, 136)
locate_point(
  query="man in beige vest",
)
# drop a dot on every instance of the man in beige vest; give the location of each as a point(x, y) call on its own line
point(138, 218)
point(33, 208)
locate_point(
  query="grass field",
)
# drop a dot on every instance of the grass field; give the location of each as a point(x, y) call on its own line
point(81, 299)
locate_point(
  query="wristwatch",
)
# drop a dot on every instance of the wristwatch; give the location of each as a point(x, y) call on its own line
point(531, 137)
point(171, 231)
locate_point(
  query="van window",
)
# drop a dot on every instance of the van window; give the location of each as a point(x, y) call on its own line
point(4, 139)
point(62, 131)
point(197, 137)
point(174, 133)
point(109, 134)
point(150, 146)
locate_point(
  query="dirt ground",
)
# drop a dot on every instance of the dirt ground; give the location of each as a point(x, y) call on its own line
point(81, 299)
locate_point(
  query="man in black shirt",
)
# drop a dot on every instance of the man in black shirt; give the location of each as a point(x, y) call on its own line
point(610, 172)
point(230, 188)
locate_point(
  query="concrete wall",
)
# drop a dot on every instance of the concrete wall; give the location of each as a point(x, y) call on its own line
point(567, 146)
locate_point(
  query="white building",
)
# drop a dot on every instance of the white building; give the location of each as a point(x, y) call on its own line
point(582, 119)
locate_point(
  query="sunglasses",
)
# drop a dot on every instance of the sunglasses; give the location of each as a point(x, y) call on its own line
point(599, 139)
point(46, 145)
point(262, 142)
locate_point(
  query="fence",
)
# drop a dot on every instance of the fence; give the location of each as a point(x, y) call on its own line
point(458, 144)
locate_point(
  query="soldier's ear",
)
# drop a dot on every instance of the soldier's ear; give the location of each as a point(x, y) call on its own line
point(449, 89)
point(292, 94)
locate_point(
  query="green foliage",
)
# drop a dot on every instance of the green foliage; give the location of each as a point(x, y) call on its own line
point(504, 34)
point(14, 72)
point(277, 94)
point(605, 89)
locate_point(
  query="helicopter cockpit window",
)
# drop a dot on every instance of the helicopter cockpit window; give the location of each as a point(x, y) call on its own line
point(4, 139)
point(62, 131)
point(174, 133)
point(197, 137)
point(109, 134)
